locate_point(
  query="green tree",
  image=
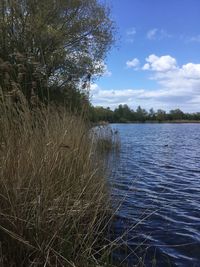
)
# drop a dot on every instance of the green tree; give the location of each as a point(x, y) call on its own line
point(161, 115)
point(97, 114)
point(141, 114)
point(53, 45)
point(123, 113)
point(176, 114)
point(152, 114)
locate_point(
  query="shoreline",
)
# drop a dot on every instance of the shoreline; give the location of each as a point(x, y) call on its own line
point(157, 122)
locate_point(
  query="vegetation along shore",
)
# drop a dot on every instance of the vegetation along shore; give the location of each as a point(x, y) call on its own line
point(55, 207)
point(54, 199)
point(124, 114)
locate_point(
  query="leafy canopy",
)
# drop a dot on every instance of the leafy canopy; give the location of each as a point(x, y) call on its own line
point(61, 43)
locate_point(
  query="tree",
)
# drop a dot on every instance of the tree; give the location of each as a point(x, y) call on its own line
point(161, 115)
point(97, 114)
point(152, 114)
point(141, 114)
point(176, 114)
point(54, 45)
point(123, 113)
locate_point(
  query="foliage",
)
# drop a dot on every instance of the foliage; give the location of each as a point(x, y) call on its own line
point(54, 199)
point(125, 114)
point(98, 114)
point(176, 114)
point(122, 113)
point(160, 115)
point(53, 47)
point(141, 114)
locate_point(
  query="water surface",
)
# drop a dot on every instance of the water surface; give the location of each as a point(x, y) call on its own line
point(157, 181)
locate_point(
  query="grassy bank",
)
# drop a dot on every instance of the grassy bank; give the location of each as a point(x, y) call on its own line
point(54, 200)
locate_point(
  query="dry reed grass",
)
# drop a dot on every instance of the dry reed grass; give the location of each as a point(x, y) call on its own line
point(107, 139)
point(54, 200)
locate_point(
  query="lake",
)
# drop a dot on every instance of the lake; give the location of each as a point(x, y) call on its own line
point(156, 180)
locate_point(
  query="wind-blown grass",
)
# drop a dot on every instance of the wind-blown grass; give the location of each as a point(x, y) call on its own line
point(54, 199)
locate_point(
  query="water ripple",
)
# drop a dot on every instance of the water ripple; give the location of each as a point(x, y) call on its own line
point(157, 183)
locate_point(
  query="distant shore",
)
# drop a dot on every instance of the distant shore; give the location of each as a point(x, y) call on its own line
point(104, 123)
point(173, 121)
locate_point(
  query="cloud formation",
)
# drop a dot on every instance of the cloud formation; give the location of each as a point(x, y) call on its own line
point(151, 34)
point(163, 63)
point(178, 87)
point(130, 33)
point(157, 34)
point(194, 39)
point(133, 63)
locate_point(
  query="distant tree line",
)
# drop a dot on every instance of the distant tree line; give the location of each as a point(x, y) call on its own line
point(125, 114)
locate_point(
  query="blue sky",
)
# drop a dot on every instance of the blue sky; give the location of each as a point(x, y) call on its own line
point(156, 59)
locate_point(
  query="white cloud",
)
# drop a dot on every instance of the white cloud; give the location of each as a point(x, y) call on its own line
point(163, 63)
point(156, 34)
point(191, 70)
point(146, 66)
point(94, 88)
point(134, 63)
point(151, 34)
point(194, 39)
point(113, 98)
point(131, 31)
point(131, 34)
point(134, 97)
point(178, 87)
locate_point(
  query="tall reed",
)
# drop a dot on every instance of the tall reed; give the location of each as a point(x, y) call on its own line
point(54, 200)
point(106, 139)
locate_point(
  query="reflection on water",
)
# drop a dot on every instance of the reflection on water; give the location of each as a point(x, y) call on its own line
point(157, 182)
